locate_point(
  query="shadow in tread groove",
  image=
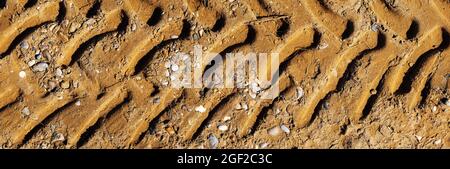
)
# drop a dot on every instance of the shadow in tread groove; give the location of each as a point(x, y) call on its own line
point(30, 3)
point(44, 123)
point(154, 122)
point(20, 38)
point(2, 4)
point(413, 30)
point(95, 9)
point(414, 71)
point(84, 138)
point(156, 17)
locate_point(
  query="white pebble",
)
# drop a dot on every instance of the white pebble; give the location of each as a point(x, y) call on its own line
point(90, 21)
point(26, 111)
point(254, 87)
point(22, 74)
point(213, 141)
point(133, 27)
point(200, 109)
point(238, 106)
point(434, 109)
point(244, 106)
point(40, 67)
point(226, 118)
point(174, 37)
point(172, 78)
point(252, 95)
point(437, 142)
point(300, 93)
point(58, 72)
point(167, 73)
point(277, 111)
point(167, 65)
point(323, 46)
point(31, 63)
point(78, 103)
point(374, 27)
point(275, 131)
point(24, 45)
point(285, 129)
point(418, 137)
point(223, 127)
point(165, 82)
point(174, 67)
point(264, 145)
point(58, 137)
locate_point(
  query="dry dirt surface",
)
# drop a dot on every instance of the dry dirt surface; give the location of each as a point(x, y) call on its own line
point(353, 74)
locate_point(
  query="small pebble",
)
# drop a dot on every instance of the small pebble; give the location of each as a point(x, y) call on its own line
point(78, 103)
point(323, 46)
point(223, 127)
point(254, 87)
point(174, 67)
point(51, 85)
point(201, 32)
point(57, 137)
point(40, 67)
point(172, 78)
point(167, 73)
point(326, 105)
point(24, 45)
point(264, 145)
point(165, 82)
point(434, 109)
point(22, 74)
point(133, 27)
point(300, 93)
point(275, 131)
point(213, 141)
point(252, 95)
point(26, 111)
point(174, 36)
point(226, 118)
point(90, 21)
point(418, 137)
point(244, 106)
point(167, 65)
point(58, 72)
point(65, 84)
point(238, 106)
point(200, 109)
point(31, 63)
point(285, 129)
point(74, 27)
point(373, 91)
point(277, 111)
point(374, 27)
point(52, 26)
point(437, 142)
point(156, 100)
point(75, 84)
point(195, 36)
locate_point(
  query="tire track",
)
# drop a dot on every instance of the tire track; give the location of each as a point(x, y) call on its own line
point(30, 18)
